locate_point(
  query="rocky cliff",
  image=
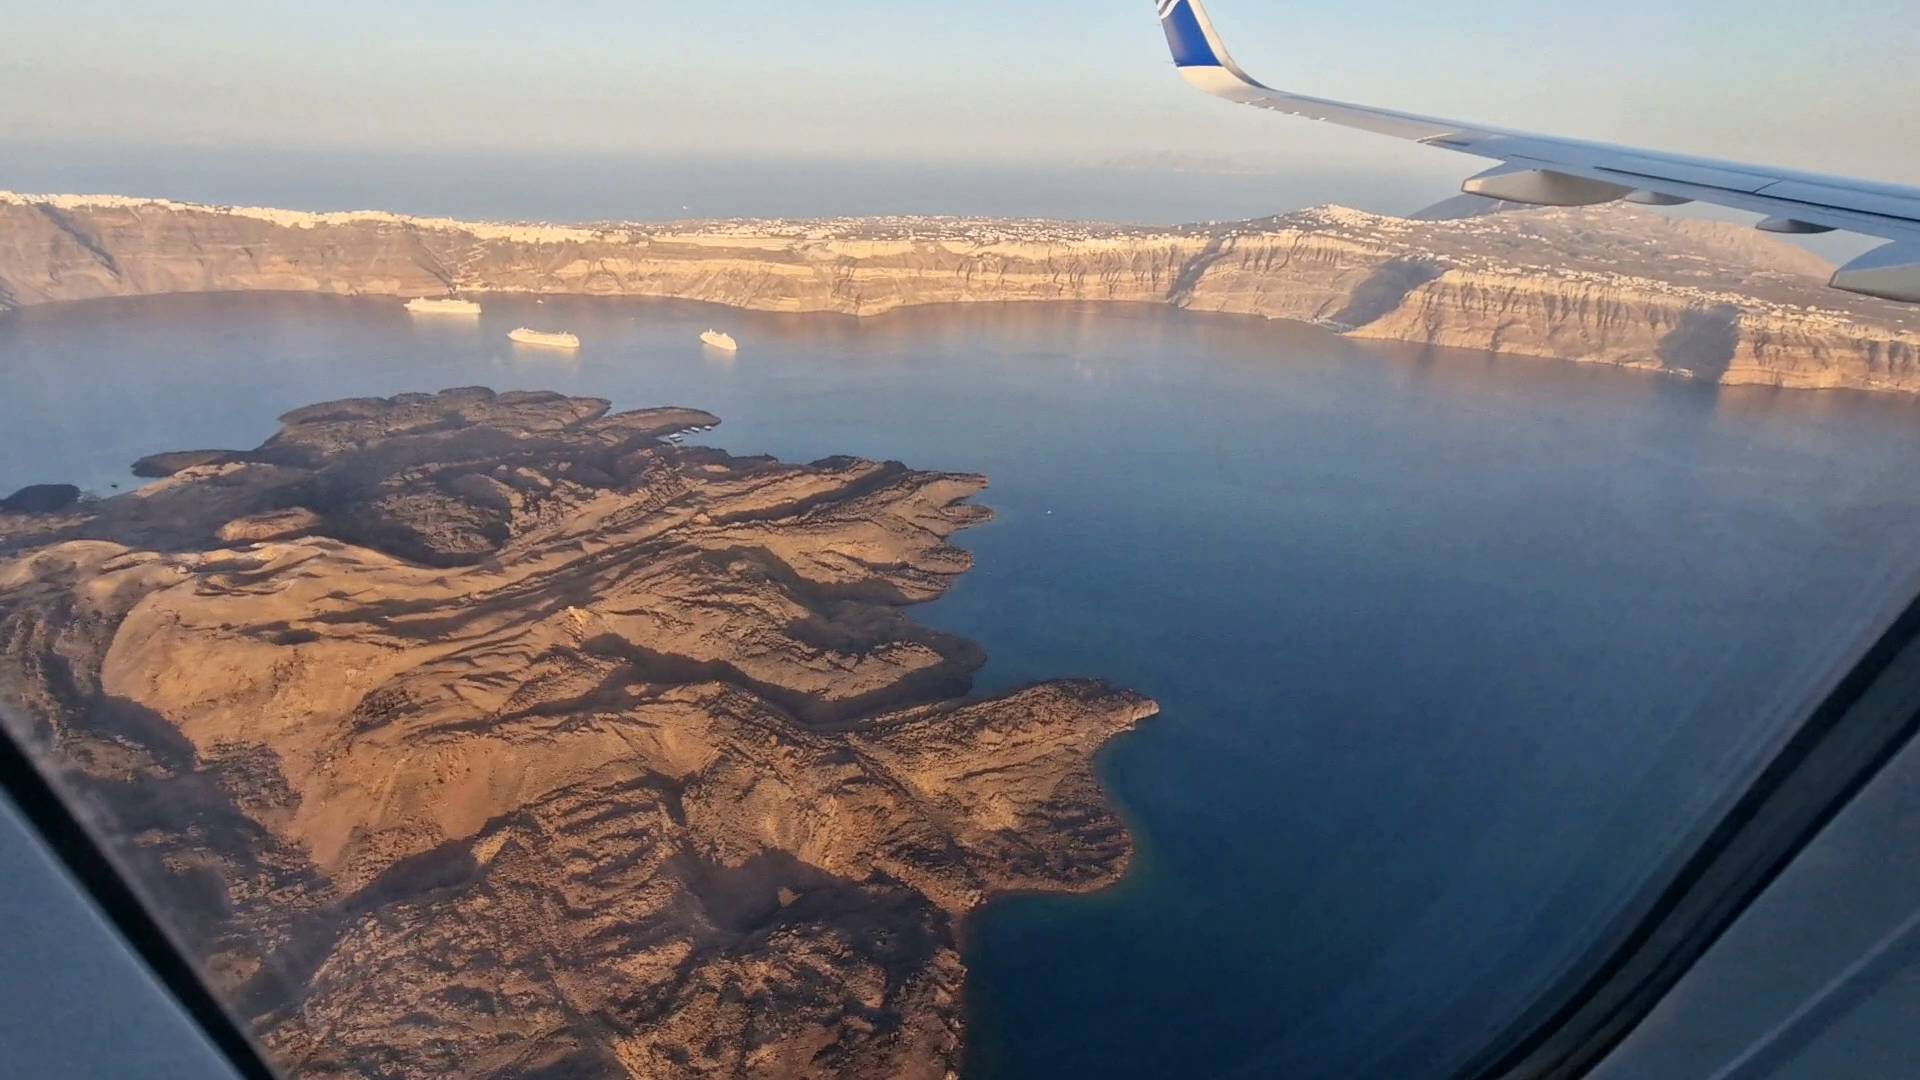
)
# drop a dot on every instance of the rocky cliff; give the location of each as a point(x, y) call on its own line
point(493, 735)
point(1616, 285)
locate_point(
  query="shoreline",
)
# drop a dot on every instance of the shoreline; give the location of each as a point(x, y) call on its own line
point(1717, 303)
point(1119, 308)
point(518, 649)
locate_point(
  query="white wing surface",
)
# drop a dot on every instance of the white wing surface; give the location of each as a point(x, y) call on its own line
point(1551, 171)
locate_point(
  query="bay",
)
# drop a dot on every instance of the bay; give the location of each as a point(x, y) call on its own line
point(1453, 650)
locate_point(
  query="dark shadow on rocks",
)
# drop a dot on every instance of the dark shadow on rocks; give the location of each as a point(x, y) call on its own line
point(748, 897)
point(313, 935)
point(953, 677)
point(1184, 283)
point(1704, 342)
point(564, 1058)
point(41, 499)
point(1384, 290)
point(184, 823)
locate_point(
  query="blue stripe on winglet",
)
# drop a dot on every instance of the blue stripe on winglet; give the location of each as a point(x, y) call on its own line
point(1189, 42)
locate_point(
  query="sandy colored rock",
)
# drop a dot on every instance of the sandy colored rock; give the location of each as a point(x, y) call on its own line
point(1612, 284)
point(285, 524)
point(475, 734)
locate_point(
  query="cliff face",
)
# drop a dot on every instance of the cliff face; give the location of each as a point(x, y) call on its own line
point(1613, 285)
point(83, 252)
point(477, 735)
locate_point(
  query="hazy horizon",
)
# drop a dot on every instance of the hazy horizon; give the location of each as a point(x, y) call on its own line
point(582, 187)
point(745, 107)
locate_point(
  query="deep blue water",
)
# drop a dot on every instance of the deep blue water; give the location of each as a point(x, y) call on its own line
point(1453, 650)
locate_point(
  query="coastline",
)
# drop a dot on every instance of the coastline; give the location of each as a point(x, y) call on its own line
point(1610, 285)
point(442, 661)
point(1260, 371)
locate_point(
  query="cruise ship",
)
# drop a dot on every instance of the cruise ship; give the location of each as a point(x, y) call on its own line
point(544, 338)
point(720, 341)
point(426, 305)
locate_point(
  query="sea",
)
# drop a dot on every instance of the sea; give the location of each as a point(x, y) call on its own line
point(1455, 652)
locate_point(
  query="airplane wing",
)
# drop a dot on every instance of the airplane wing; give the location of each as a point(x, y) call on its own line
point(1547, 170)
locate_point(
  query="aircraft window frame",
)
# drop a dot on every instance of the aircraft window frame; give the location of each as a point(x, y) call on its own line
point(1847, 740)
point(100, 877)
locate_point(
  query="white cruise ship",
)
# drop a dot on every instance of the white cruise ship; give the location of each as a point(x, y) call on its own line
point(720, 341)
point(544, 338)
point(426, 305)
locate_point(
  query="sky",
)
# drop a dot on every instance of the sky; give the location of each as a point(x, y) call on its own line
point(981, 106)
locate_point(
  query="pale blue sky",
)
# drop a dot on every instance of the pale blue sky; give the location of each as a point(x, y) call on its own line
point(1831, 86)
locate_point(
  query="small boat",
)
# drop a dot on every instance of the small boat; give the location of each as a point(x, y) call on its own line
point(427, 305)
point(720, 341)
point(546, 339)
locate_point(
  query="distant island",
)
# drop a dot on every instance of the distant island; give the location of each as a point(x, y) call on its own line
point(476, 734)
point(1614, 285)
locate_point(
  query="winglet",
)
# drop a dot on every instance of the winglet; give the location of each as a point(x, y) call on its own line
point(1195, 43)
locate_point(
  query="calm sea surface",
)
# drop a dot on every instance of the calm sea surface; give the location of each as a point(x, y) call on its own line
point(1452, 649)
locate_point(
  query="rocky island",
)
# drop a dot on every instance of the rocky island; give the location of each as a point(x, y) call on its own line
point(1613, 284)
point(490, 734)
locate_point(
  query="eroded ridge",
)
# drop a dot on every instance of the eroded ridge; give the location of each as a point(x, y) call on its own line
point(485, 734)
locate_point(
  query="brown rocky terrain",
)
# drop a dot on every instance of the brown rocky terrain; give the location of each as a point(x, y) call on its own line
point(497, 735)
point(1613, 284)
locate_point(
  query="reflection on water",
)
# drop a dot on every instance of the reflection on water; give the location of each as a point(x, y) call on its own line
point(1452, 648)
point(535, 360)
